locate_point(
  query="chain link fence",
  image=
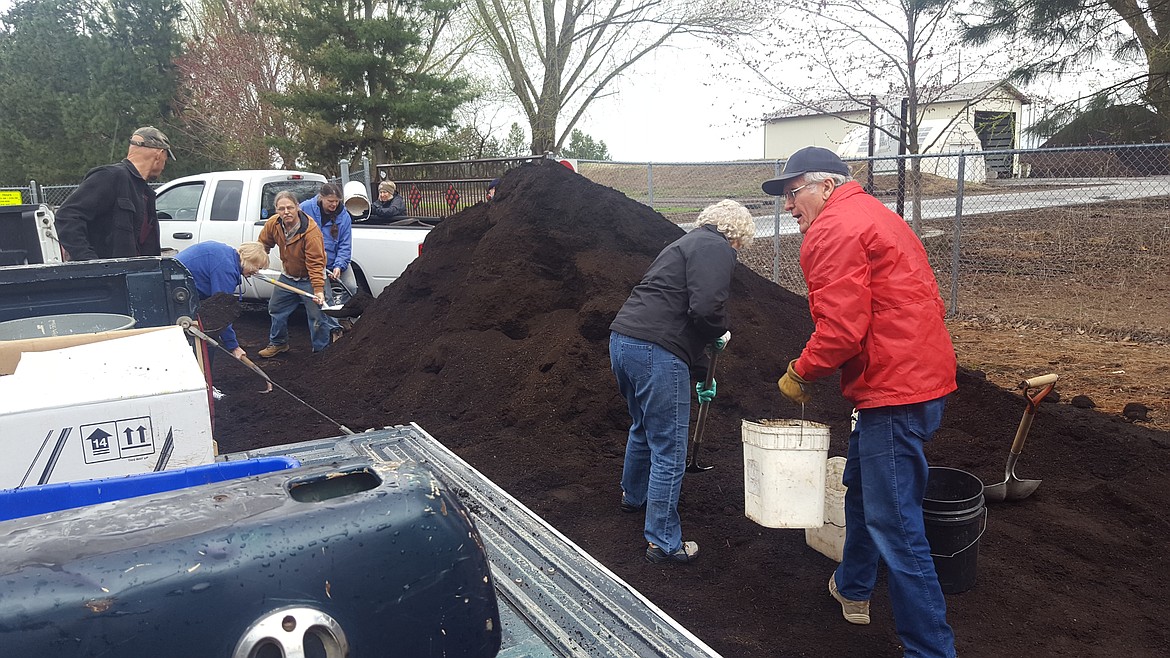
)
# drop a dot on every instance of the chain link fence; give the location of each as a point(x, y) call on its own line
point(15, 196)
point(1071, 238)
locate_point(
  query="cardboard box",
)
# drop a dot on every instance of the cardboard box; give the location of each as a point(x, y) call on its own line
point(114, 403)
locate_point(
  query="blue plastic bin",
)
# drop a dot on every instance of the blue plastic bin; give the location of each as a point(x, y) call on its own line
point(30, 501)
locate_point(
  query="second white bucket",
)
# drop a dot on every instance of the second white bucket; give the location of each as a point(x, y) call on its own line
point(784, 472)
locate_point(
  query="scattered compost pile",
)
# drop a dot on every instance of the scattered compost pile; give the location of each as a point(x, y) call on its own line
point(495, 341)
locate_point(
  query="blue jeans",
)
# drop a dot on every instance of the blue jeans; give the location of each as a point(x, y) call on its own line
point(886, 473)
point(283, 303)
point(657, 387)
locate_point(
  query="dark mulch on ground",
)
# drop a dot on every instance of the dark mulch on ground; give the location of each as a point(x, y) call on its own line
point(495, 342)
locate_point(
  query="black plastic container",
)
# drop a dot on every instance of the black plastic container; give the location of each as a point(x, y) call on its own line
point(955, 519)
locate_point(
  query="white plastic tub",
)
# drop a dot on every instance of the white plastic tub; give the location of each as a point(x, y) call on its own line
point(829, 539)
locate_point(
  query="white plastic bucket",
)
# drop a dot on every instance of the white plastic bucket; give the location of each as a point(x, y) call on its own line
point(356, 201)
point(829, 539)
point(784, 472)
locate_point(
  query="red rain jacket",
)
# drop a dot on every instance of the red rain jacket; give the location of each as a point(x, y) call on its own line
point(876, 306)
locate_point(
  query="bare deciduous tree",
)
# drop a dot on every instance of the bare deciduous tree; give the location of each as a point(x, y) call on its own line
point(826, 55)
point(228, 70)
point(561, 55)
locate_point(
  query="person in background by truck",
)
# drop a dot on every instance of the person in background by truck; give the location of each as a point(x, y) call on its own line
point(337, 230)
point(302, 257)
point(656, 346)
point(390, 206)
point(491, 188)
point(217, 268)
point(878, 318)
point(111, 213)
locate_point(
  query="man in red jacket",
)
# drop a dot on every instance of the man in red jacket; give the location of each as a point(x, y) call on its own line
point(878, 317)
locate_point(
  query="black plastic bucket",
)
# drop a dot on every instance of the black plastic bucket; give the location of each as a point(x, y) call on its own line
point(955, 519)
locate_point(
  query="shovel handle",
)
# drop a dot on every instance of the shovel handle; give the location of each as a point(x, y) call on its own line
point(701, 421)
point(1037, 382)
point(281, 284)
point(1044, 381)
point(255, 368)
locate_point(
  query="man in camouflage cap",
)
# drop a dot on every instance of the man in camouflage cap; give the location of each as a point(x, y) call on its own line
point(111, 214)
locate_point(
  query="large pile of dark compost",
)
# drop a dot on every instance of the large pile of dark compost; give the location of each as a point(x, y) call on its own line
point(495, 340)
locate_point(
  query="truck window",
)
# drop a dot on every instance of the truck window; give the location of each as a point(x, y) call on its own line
point(180, 203)
point(304, 189)
point(225, 203)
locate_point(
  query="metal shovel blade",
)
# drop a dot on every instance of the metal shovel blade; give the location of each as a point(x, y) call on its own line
point(1012, 488)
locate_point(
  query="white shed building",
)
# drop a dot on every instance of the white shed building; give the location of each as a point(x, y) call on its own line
point(969, 116)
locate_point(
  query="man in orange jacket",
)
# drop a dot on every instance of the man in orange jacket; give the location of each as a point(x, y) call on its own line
point(878, 317)
point(302, 257)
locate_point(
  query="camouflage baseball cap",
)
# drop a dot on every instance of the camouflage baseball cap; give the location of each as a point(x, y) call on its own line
point(153, 138)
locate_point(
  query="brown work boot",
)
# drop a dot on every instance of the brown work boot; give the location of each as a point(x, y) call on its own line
point(273, 350)
point(854, 612)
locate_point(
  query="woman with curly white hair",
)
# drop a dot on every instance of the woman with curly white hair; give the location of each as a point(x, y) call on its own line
point(657, 348)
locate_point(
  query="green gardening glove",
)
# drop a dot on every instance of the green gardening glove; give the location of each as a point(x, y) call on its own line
point(705, 394)
point(721, 342)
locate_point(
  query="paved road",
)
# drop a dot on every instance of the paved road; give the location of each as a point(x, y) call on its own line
point(935, 209)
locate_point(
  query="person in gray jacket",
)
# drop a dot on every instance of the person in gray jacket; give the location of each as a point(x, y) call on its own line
point(389, 206)
point(656, 348)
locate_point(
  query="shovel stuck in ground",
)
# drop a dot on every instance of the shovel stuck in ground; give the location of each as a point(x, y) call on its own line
point(1012, 487)
point(701, 425)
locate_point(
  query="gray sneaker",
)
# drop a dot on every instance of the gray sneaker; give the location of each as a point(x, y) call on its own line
point(687, 552)
point(854, 612)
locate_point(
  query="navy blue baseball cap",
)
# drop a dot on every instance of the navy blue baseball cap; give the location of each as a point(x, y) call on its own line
point(807, 160)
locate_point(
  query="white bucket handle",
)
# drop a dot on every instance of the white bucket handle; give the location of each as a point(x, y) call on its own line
point(964, 549)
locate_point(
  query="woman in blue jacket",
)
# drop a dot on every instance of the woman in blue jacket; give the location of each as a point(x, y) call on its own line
point(217, 268)
point(337, 228)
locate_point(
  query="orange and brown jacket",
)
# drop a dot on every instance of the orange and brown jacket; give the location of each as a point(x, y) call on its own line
point(303, 254)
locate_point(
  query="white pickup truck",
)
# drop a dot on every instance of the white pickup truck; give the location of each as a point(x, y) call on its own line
point(232, 206)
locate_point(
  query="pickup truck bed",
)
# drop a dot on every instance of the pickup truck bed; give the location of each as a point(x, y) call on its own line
point(554, 599)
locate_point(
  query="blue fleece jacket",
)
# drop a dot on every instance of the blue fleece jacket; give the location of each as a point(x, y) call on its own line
point(216, 268)
point(337, 249)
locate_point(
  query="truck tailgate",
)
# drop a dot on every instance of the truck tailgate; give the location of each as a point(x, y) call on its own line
point(554, 598)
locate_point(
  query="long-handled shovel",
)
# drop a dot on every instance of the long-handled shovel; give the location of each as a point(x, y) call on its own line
point(701, 423)
point(293, 289)
point(1012, 487)
point(357, 303)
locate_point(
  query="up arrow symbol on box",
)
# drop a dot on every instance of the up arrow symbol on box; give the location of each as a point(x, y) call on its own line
point(130, 435)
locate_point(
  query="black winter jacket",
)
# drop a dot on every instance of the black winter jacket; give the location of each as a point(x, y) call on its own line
point(681, 303)
point(111, 214)
point(391, 211)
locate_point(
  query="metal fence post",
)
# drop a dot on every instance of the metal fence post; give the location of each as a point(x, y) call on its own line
point(956, 235)
point(650, 182)
point(32, 192)
point(344, 172)
point(366, 170)
point(776, 205)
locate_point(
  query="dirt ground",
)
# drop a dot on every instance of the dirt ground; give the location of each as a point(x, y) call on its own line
point(495, 342)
